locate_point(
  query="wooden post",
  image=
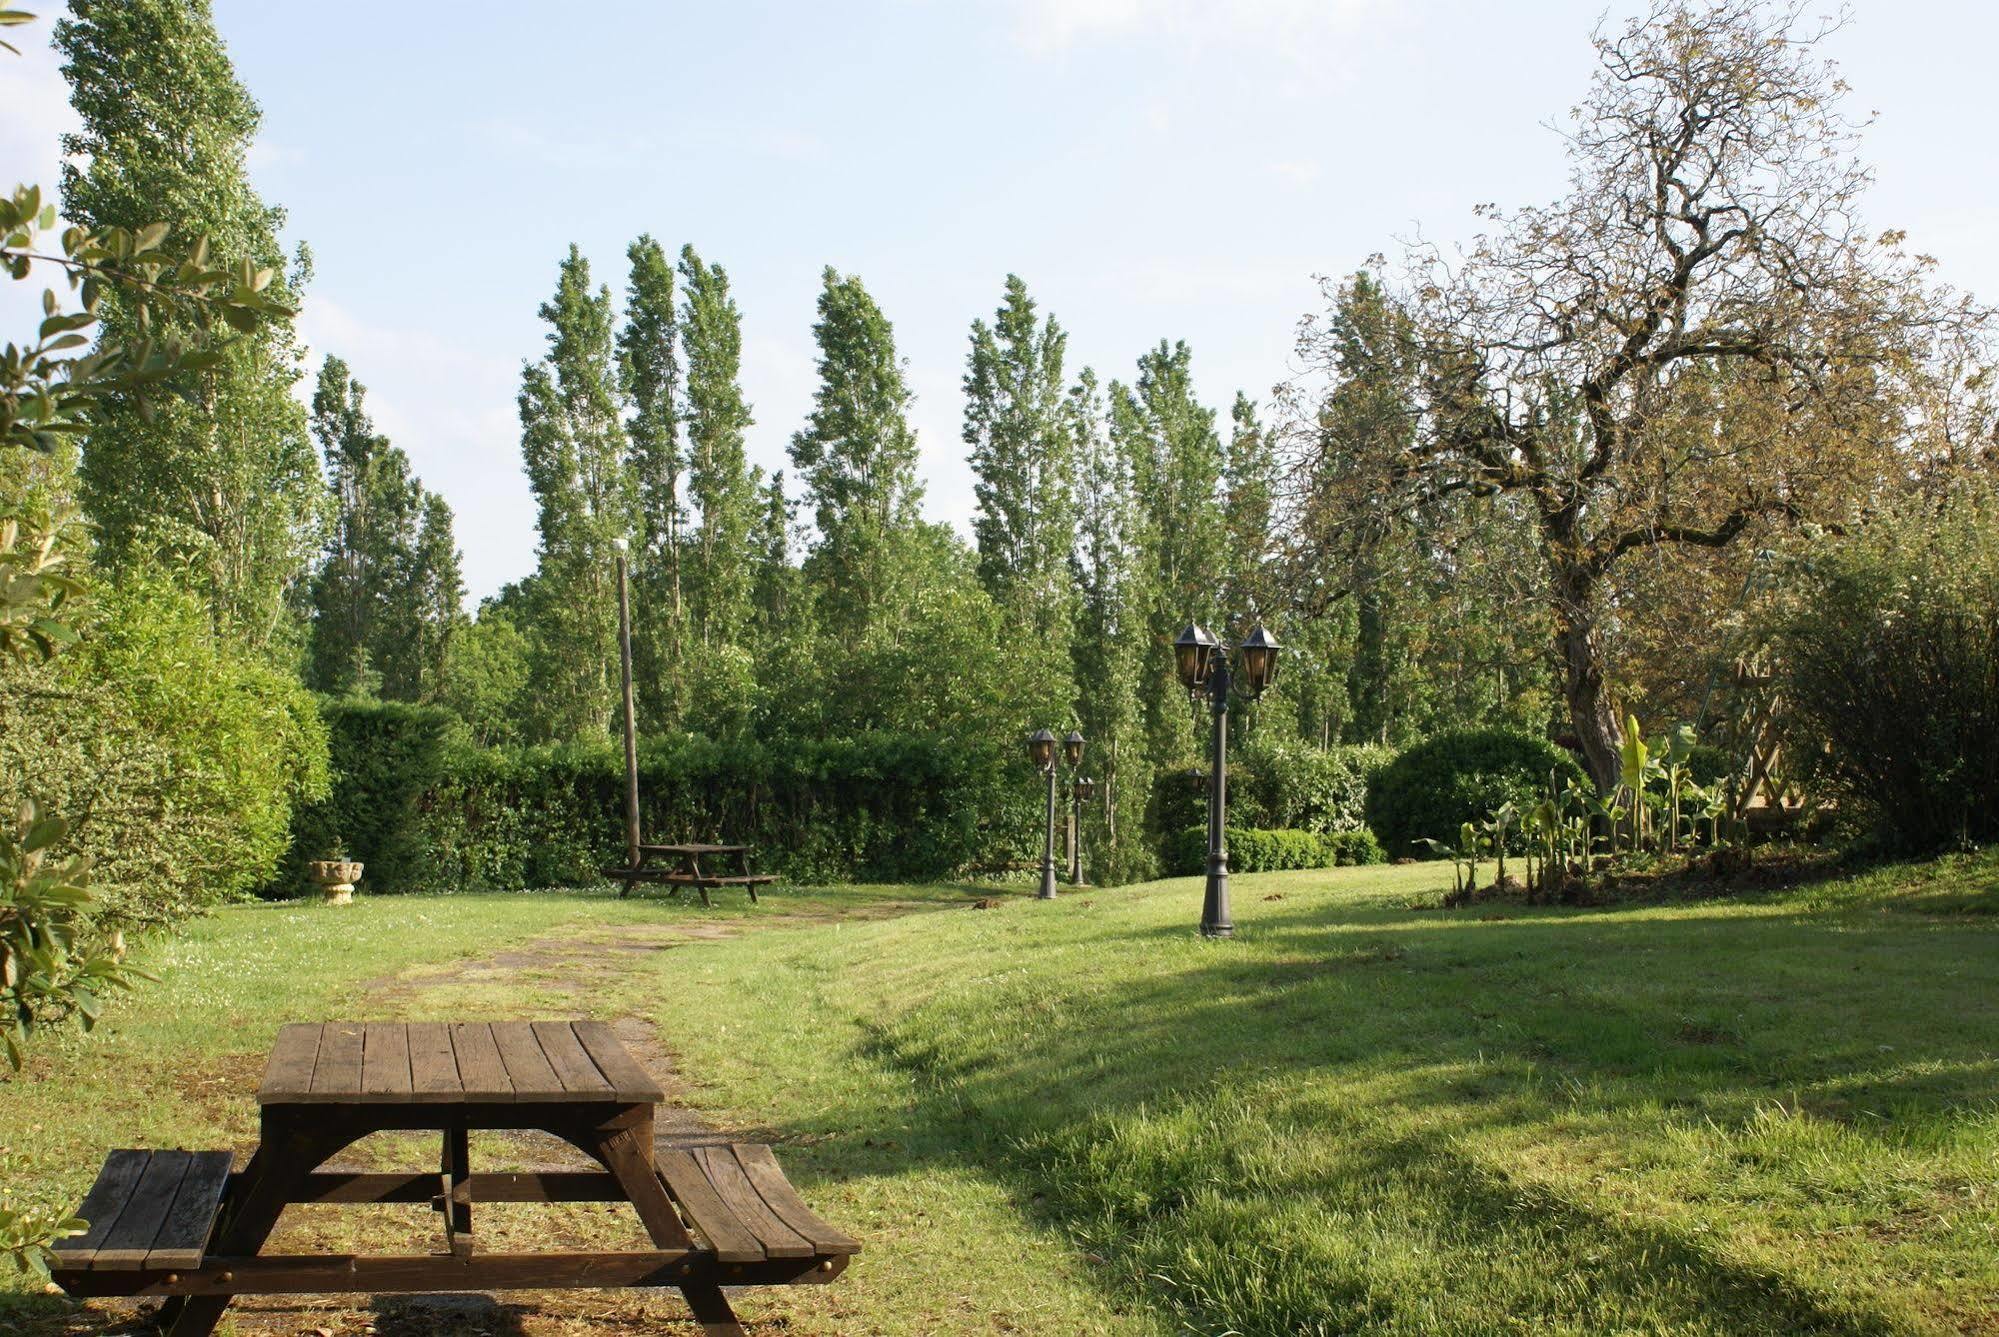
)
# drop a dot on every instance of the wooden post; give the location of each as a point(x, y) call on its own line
point(632, 837)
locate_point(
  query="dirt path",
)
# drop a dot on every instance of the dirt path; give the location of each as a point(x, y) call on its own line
point(567, 971)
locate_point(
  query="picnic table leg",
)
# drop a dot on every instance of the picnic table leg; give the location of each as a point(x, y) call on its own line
point(712, 1312)
point(285, 1155)
point(457, 1204)
point(627, 1152)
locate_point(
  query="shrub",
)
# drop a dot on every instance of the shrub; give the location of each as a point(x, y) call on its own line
point(1435, 787)
point(1266, 851)
point(1889, 650)
point(177, 758)
point(427, 812)
point(1293, 784)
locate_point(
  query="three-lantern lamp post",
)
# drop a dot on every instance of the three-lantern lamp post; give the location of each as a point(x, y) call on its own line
point(1041, 752)
point(1205, 670)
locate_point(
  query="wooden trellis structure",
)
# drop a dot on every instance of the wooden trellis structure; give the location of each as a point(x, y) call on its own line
point(1765, 799)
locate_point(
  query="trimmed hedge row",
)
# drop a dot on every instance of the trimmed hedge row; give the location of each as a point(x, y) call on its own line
point(1256, 851)
point(428, 812)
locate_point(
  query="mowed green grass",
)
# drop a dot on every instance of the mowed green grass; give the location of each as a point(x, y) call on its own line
point(1364, 1114)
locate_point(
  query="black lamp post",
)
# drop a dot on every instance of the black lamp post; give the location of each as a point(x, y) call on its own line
point(1204, 668)
point(1041, 751)
point(1081, 790)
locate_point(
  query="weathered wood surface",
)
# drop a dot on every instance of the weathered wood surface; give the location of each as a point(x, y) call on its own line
point(148, 1210)
point(394, 1063)
point(154, 1215)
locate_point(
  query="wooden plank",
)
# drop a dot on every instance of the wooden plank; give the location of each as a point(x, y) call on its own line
point(183, 1236)
point(726, 1174)
point(768, 1178)
point(385, 1063)
point(523, 1186)
point(732, 1241)
point(527, 1067)
point(337, 1075)
point(288, 1073)
point(628, 1080)
point(125, 1249)
point(347, 1274)
point(101, 1206)
point(631, 1161)
point(572, 1063)
point(433, 1065)
point(483, 1075)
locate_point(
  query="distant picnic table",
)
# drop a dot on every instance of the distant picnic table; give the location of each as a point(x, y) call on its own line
point(182, 1225)
point(683, 869)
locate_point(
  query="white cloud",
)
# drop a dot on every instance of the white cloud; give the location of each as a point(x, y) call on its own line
point(1296, 173)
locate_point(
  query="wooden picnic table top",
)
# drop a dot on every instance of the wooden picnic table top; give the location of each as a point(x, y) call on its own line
point(464, 1062)
point(694, 848)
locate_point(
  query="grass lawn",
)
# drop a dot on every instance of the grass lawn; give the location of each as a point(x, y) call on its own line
point(1362, 1115)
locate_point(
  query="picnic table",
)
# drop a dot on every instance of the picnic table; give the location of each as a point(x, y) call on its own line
point(183, 1225)
point(684, 869)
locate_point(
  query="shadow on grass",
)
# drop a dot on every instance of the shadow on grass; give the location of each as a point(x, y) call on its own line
point(1304, 1131)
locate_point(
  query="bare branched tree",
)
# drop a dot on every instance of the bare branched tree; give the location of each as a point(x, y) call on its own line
point(1701, 338)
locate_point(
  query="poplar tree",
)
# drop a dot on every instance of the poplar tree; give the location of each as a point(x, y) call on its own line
point(857, 457)
point(719, 480)
point(1022, 457)
point(1111, 640)
point(218, 476)
point(1250, 510)
point(386, 597)
point(1175, 456)
point(649, 376)
point(573, 449)
point(1021, 451)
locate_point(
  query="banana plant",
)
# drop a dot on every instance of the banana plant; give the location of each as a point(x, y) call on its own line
point(1676, 760)
point(1494, 829)
point(1464, 852)
point(1636, 768)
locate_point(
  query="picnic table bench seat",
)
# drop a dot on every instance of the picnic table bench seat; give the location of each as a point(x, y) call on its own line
point(152, 1214)
point(149, 1211)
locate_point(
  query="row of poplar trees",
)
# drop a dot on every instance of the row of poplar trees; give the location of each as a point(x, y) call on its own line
point(815, 601)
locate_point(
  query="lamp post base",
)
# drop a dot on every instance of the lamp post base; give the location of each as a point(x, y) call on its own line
point(1047, 892)
point(1215, 919)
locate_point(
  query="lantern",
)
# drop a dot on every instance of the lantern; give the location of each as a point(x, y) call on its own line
point(1072, 749)
point(1259, 661)
point(1041, 749)
point(1086, 789)
point(1193, 655)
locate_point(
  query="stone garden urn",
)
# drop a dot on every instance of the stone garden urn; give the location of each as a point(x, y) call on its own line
point(335, 878)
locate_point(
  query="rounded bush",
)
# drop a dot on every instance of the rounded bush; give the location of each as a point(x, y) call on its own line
point(1437, 786)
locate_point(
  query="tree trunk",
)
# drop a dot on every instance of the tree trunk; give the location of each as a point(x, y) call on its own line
point(1592, 713)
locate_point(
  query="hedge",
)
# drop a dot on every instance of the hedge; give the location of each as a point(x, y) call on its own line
point(425, 811)
point(1258, 851)
point(1462, 776)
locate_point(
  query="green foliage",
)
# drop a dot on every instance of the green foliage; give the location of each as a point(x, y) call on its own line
point(427, 813)
point(176, 753)
point(217, 476)
point(573, 448)
point(1265, 851)
point(386, 598)
point(1441, 784)
point(1889, 654)
point(385, 758)
point(1294, 784)
point(857, 457)
point(54, 957)
point(720, 483)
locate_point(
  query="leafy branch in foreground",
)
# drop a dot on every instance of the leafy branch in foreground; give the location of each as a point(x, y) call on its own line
point(49, 385)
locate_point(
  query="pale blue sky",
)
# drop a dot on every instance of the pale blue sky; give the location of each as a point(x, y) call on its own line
point(1152, 168)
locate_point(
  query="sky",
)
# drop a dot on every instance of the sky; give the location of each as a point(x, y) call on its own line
point(1177, 169)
